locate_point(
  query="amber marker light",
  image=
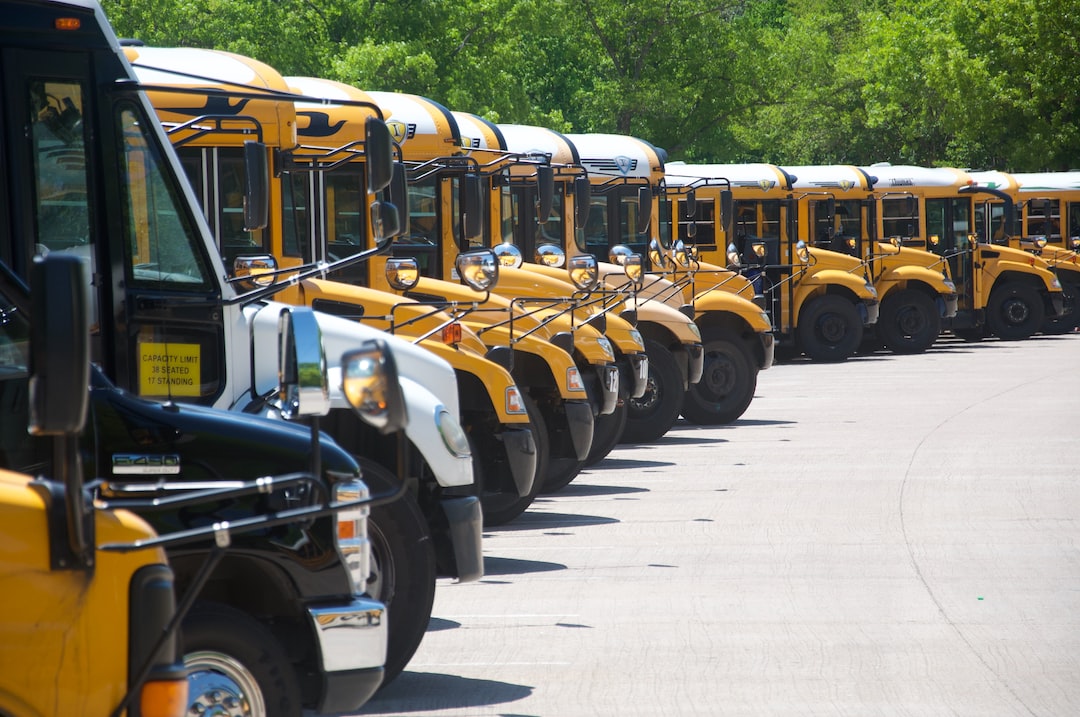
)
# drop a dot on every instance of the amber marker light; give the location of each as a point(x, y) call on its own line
point(67, 23)
point(451, 334)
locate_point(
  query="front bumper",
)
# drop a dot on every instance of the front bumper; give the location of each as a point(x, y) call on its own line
point(1055, 305)
point(947, 306)
point(521, 455)
point(869, 309)
point(638, 374)
point(579, 422)
point(607, 396)
point(695, 362)
point(351, 640)
point(768, 350)
point(466, 522)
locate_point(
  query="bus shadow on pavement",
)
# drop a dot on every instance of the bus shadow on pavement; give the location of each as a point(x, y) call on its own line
point(585, 490)
point(538, 519)
point(494, 565)
point(420, 692)
point(687, 426)
point(626, 464)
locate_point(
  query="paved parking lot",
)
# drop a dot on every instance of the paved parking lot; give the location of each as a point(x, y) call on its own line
point(895, 535)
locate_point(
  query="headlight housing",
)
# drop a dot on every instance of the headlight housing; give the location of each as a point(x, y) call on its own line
point(453, 435)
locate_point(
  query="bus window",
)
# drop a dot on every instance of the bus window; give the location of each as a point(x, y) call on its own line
point(59, 161)
point(900, 218)
point(705, 218)
point(296, 231)
point(161, 238)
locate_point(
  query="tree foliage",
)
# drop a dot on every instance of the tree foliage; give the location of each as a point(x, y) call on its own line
point(979, 83)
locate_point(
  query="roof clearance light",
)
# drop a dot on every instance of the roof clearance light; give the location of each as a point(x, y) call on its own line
point(67, 23)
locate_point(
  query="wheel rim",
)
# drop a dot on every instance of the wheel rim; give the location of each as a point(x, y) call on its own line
point(1016, 311)
point(220, 686)
point(648, 399)
point(910, 321)
point(720, 376)
point(832, 328)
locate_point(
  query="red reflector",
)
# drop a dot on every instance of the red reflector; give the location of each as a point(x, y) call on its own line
point(67, 23)
point(451, 333)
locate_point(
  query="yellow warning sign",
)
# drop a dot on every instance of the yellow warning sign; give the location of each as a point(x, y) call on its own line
point(169, 369)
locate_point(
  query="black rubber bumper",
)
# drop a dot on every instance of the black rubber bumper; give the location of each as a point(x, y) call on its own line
point(349, 690)
point(695, 362)
point(521, 455)
point(768, 350)
point(579, 419)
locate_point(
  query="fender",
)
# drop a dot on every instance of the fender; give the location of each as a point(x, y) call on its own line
point(819, 282)
point(898, 276)
point(717, 301)
point(997, 267)
point(428, 382)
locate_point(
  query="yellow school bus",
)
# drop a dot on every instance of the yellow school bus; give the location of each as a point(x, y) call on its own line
point(448, 185)
point(819, 301)
point(554, 286)
point(1003, 291)
point(672, 339)
point(835, 212)
point(1042, 201)
point(628, 185)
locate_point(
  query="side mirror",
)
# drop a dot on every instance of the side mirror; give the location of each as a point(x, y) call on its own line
point(256, 186)
point(369, 380)
point(545, 192)
point(690, 205)
point(402, 273)
point(379, 154)
point(619, 253)
point(473, 221)
point(384, 221)
point(582, 199)
point(634, 268)
point(399, 197)
point(303, 388)
point(59, 346)
point(733, 258)
point(644, 215)
point(584, 271)
point(679, 251)
point(550, 255)
point(257, 270)
point(727, 211)
point(508, 255)
point(802, 252)
point(478, 268)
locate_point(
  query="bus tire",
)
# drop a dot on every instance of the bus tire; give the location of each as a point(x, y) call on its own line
point(727, 384)
point(909, 322)
point(502, 507)
point(1014, 312)
point(829, 329)
point(403, 567)
point(653, 415)
point(231, 655)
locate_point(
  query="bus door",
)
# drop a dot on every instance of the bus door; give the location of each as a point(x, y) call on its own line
point(114, 200)
point(951, 220)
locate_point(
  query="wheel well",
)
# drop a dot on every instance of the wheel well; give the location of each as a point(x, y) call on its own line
point(714, 322)
point(1018, 277)
point(915, 285)
point(263, 591)
point(660, 334)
